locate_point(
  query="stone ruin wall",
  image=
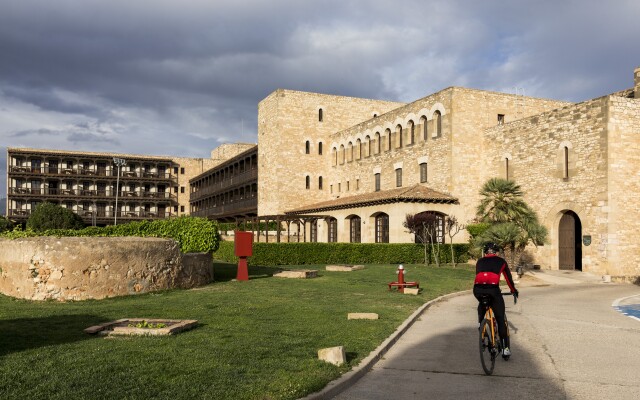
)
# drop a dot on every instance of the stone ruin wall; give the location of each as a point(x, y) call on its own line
point(80, 268)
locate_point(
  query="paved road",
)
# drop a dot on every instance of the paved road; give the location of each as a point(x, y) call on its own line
point(568, 342)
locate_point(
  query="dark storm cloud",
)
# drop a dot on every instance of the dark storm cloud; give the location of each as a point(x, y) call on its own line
point(167, 77)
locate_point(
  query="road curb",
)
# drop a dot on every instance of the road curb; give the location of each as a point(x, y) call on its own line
point(337, 386)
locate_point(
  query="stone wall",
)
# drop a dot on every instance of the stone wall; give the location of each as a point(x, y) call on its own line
point(536, 147)
point(623, 240)
point(189, 168)
point(80, 268)
point(286, 120)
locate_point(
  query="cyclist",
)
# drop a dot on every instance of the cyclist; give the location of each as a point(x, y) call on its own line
point(487, 282)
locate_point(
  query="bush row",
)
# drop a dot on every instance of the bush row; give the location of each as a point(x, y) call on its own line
point(193, 234)
point(267, 254)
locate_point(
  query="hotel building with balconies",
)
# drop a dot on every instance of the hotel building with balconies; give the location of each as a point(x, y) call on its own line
point(150, 187)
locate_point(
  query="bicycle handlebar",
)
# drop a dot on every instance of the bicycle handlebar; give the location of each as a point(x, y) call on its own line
point(515, 298)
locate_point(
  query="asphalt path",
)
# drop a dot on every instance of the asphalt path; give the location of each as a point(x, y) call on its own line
point(568, 341)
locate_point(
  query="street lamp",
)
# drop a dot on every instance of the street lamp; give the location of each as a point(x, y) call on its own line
point(119, 162)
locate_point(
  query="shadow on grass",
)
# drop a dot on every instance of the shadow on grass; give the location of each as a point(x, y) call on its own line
point(29, 333)
point(225, 272)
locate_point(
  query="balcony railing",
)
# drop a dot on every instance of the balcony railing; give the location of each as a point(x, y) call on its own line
point(241, 206)
point(243, 178)
point(101, 214)
point(92, 172)
point(142, 195)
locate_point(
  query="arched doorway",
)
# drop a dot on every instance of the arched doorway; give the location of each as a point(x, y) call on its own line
point(570, 241)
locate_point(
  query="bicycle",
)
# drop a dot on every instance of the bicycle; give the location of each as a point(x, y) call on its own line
point(490, 343)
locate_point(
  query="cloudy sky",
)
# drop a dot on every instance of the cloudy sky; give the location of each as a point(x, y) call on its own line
point(181, 77)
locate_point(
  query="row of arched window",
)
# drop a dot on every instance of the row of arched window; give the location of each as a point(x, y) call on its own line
point(381, 228)
point(387, 141)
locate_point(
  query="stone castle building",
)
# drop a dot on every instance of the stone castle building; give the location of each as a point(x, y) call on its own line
point(351, 169)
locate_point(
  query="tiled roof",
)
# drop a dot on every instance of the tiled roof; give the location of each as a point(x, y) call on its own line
point(413, 194)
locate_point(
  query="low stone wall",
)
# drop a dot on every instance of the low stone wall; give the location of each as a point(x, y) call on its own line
point(80, 268)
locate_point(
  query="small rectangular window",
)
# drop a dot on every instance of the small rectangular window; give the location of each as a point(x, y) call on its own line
point(175, 170)
point(181, 189)
point(357, 184)
point(423, 172)
point(175, 189)
point(347, 186)
point(181, 208)
point(175, 208)
point(377, 182)
point(320, 115)
point(320, 148)
point(500, 119)
point(399, 177)
point(339, 187)
point(182, 171)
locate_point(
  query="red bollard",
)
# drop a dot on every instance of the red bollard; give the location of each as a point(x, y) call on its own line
point(243, 248)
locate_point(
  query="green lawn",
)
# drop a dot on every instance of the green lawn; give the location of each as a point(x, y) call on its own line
point(256, 339)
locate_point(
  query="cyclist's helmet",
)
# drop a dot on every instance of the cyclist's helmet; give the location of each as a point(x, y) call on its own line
point(491, 248)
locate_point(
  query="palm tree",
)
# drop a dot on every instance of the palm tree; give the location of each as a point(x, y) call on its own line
point(513, 224)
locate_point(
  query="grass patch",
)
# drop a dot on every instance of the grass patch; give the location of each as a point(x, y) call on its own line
point(257, 339)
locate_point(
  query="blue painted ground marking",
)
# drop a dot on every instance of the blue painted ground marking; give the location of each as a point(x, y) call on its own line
point(631, 310)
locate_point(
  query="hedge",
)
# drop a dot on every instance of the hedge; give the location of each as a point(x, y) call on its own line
point(193, 234)
point(267, 254)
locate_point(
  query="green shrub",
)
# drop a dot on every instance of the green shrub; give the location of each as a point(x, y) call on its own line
point(5, 224)
point(194, 235)
point(268, 254)
point(53, 216)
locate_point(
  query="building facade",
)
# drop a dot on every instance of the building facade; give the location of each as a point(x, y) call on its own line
point(229, 191)
point(575, 162)
point(150, 187)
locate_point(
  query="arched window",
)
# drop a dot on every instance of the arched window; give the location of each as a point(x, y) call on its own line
point(332, 224)
point(412, 133)
point(342, 154)
point(367, 146)
point(350, 152)
point(433, 222)
point(307, 147)
point(320, 148)
point(398, 136)
point(334, 152)
point(382, 228)
point(358, 149)
point(423, 122)
point(378, 146)
point(355, 224)
point(319, 183)
point(388, 139)
point(565, 162)
point(506, 168)
point(320, 115)
point(438, 124)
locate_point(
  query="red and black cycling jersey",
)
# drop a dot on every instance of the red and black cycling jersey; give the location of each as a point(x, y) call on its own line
point(488, 271)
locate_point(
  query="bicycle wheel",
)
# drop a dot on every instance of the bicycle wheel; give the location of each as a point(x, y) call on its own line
point(487, 349)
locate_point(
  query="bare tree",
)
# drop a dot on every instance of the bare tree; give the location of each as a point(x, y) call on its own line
point(452, 227)
point(424, 226)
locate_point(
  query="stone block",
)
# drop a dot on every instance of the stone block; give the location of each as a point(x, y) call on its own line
point(333, 355)
point(362, 316)
point(297, 274)
point(413, 291)
point(344, 268)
